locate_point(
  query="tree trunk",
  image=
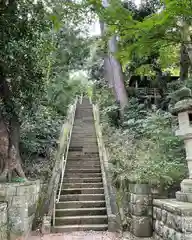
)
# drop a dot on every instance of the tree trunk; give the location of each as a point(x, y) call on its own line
point(12, 162)
point(161, 78)
point(14, 153)
point(4, 146)
point(117, 72)
point(184, 63)
point(107, 71)
point(186, 38)
point(107, 66)
point(114, 71)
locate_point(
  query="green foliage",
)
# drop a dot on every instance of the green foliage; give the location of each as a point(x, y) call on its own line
point(39, 135)
point(40, 131)
point(145, 148)
point(153, 31)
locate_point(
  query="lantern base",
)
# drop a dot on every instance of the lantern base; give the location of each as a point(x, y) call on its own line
point(184, 197)
point(186, 186)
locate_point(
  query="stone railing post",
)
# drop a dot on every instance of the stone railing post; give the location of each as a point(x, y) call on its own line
point(140, 209)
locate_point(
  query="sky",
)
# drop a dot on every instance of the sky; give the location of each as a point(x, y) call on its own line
point(95, 27)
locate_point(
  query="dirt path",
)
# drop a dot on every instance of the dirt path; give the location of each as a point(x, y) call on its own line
point(87, 236)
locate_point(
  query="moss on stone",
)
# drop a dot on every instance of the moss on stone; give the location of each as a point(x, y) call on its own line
point(181, 94)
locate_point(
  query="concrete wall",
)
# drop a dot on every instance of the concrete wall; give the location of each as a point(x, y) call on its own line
point(21, 199)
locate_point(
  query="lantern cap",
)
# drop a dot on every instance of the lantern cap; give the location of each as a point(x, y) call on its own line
point(183, 99)
point(182, 106)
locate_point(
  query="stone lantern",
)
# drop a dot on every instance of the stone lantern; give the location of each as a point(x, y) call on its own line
point(183, 109)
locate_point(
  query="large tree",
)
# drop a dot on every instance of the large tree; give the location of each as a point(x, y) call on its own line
point(21, 69)
point(37, 50)
point(113, 69)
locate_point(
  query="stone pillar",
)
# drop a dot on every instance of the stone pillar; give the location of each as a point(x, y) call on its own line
point(183, 109)
point(46, 225)
point(140, 209)
point(22, 201)
point(3, 221)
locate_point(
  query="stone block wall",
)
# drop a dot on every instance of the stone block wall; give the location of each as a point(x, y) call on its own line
point(172, 219)
point(21, 199)
point(3, 221)
point(140, 210)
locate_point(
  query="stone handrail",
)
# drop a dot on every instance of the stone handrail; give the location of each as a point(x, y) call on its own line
point(65, 155)
point(112, 210)
point(57, 170)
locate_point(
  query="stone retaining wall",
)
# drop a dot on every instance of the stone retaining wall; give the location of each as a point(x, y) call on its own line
point(3, 221)
point(140, 210)
point(172, 219)
point(21, 199)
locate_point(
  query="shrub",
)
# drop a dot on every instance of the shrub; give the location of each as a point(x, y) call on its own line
point(145, 148)
point(39, 135)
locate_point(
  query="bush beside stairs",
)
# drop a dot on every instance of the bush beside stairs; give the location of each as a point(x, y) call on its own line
point(82, 205)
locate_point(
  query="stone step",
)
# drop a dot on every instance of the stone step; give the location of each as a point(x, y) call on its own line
point(83, 185)
point(82, 191)
point(84, 111)
point(85, 135)
point(83, 148)
point(90, 149)
point(81, 211)
point(75, 148)
point(85, 155)
point(89, 138)
point(84, 164)
point(82, 197)
point(76, 167)
point(81, 144)
point(87, 126)
point(87, 227)
point(82, 175)
point(84, 170)
point(80, 204)
point(85, 116)
point(80, 140)
point(83, 132)
point(83, 129)
point(82, 157)
point(84, 107)
point(84, 126)
point(73, 220)
point(82, 180)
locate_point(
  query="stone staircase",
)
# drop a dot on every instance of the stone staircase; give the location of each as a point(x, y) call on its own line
point(82, 204)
